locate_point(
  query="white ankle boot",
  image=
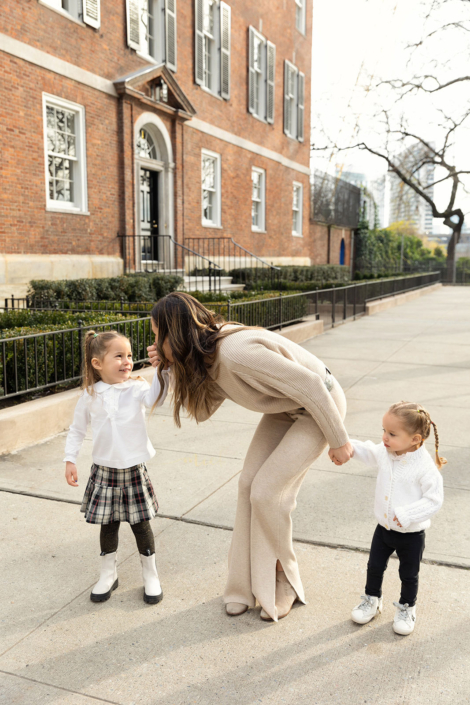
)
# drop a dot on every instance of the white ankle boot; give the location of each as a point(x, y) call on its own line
point(405, 619)
point(367, 609)
point(108, 579)
point(153, 592)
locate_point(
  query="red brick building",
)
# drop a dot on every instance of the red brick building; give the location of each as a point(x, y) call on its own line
point(165, 118)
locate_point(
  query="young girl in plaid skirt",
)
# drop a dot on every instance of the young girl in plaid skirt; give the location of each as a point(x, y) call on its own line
point(119, 488)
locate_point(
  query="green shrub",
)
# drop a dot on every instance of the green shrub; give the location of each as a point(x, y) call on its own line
point(320, 274)
point(54, 358)
point(130, 287)
point(265, 314)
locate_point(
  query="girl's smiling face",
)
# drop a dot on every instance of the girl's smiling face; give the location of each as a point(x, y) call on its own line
point(116, 366)
point(395, 438)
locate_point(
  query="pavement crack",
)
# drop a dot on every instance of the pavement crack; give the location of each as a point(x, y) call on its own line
point(59, 687)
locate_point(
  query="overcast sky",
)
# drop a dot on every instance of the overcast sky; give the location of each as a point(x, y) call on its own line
point(358, 42)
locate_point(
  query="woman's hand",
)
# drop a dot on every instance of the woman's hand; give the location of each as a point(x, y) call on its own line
point(71, 474)
point(341, 455)
point(395, 519)
point(154, 357)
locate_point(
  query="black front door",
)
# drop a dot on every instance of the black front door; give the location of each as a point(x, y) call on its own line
point(149, 214)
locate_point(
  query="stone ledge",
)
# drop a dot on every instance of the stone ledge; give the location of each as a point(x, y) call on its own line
point(399, 299)
point(17, 269)
point(36, 421)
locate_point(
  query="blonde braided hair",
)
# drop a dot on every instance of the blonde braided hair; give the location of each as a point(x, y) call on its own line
point(416, 419)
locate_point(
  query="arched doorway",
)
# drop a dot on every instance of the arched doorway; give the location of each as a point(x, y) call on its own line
point(154, 193)
point(342, 251)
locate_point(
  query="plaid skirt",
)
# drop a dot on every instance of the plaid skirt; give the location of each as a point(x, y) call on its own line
point(119, 495)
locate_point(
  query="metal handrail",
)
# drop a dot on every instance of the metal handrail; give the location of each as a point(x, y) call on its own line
point(259, 259)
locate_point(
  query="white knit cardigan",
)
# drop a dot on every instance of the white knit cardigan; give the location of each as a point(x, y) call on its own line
point(409, 486)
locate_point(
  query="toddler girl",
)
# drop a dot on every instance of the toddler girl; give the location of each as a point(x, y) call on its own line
point(409, 492)
point(119, 488)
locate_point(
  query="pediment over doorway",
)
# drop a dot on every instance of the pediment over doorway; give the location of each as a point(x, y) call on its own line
point(156, 85)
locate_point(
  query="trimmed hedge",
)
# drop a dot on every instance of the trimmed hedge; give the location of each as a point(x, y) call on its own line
point(53, 359)
point(130, 287)
point(263, 310)
point(320, 275)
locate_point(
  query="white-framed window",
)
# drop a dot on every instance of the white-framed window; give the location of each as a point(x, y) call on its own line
point(87, 11)
point(65, 155)
point(151, 30)
point(212, 47)
point(300, 18)
point(294, 100)
point(258, 199)
point(211, 188)
point(261, 75)
point(297, 200)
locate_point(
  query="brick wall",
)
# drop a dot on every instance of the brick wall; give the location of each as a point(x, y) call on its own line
point(26, 226)
point(324, 252)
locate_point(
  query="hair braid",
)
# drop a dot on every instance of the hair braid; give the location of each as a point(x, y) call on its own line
point(439, 460)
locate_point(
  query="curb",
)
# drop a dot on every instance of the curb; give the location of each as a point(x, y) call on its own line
point(392, 301)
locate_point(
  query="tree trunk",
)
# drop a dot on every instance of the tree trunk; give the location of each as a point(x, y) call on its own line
point(450, 274)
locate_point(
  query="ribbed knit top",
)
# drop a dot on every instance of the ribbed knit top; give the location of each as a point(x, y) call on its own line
point(263, 371)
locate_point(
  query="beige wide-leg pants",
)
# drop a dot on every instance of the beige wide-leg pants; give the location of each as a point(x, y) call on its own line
point(283, 448)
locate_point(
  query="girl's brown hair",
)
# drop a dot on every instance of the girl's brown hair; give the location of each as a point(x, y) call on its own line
point(416, 419)
point(193, 333)
point(96, 345)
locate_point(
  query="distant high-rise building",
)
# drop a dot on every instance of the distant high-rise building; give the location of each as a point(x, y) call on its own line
point(405, 203)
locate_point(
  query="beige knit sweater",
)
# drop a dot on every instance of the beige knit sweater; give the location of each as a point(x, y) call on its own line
point(263, 371)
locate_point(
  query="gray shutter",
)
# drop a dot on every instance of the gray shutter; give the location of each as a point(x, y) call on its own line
point(300, 106)
point(170, 34)
point(270, 76)
point(225, 21)
point(287, 111)
point(251, 70)
point(133, 24)
point(91, 13)
point(199, 47)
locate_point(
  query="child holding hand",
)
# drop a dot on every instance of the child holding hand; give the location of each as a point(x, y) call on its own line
point(409, 492)
point(119, 488)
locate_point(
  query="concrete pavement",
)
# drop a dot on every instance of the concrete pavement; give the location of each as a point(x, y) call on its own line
point(58, 647)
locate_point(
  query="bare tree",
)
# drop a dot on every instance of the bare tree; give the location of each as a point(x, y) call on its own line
point(413, 148)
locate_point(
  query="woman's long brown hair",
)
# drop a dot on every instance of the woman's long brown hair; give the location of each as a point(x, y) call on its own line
point(193, 333)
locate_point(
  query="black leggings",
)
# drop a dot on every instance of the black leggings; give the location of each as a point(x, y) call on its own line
point(109, 537)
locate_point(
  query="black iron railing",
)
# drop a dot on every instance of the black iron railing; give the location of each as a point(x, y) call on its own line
point(40, 303)
point(37, 362)
point(332, 306)
point(236, 261)
point(164, 255)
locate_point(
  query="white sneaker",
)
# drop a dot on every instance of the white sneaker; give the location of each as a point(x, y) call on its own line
point(367, 609)
point(405, 619)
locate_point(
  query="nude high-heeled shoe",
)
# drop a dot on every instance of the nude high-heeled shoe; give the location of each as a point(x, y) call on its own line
point(234, 609)
point(285, 597)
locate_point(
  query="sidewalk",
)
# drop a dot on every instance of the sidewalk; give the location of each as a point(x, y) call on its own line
point(58, 647)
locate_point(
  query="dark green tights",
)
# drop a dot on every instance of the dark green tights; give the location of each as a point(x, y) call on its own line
point(109, 537)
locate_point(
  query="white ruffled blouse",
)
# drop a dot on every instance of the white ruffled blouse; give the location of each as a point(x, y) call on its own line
point(117, 416)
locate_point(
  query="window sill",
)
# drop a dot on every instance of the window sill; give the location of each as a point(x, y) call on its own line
point(64, 13)
point(297, 235)
point(214, 95)
point(211, 225)
point(302, 32)
point(263, 120)
point(294, 139)
point(66, 211)
point(258, 230)
point(147, 57)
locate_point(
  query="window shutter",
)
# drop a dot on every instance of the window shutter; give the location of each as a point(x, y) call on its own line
point(170, 33)
point(199, 48)
point(225, 21)
point(133, 24)
point(91, 13)
point(251, 71)
point(270, 75)
point(287, 106)
point(300, 106)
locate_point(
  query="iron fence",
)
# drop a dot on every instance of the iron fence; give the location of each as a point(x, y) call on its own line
point(39, 361)
point(40, 303)
point(330, 305)
point(378, 267)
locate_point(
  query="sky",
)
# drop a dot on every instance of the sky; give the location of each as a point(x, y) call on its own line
point(357, 43)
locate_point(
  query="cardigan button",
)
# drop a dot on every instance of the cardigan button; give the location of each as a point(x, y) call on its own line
point(386, 497)
point(385, 515)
